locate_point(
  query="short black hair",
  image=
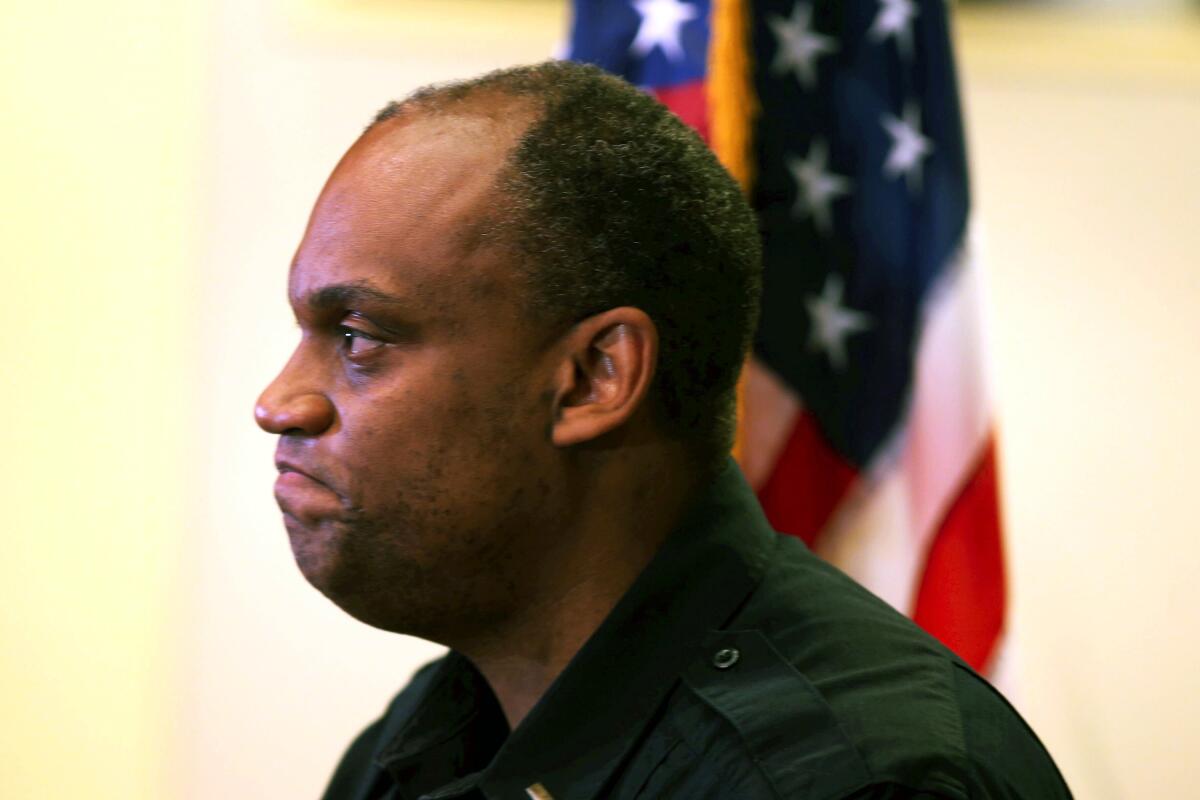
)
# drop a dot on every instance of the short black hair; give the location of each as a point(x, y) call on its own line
point(613, 201)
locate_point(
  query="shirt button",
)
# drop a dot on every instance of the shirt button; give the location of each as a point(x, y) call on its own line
point(726, 658)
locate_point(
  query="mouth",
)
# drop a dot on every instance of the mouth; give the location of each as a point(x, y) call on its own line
point(303, 497)
point(286, 467)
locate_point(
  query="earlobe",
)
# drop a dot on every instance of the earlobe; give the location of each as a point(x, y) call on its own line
point(606, 374)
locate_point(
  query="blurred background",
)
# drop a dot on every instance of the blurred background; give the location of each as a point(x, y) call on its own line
point(158, 163)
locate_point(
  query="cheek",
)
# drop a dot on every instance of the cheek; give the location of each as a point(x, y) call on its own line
point(389, 442)
point(417, 443)
point(427, 448)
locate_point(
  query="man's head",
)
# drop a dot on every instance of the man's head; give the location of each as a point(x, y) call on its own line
point(611, 200)
point(505, 283)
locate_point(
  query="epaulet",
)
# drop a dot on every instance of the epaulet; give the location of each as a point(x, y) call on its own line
point(783, 721)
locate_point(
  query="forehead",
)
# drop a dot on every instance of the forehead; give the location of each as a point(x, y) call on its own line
point(404, 207)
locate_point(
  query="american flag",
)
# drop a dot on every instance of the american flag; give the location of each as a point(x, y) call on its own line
point(866, 421)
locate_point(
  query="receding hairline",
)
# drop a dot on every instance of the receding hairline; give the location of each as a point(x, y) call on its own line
point(510, 115)
point(496, 103)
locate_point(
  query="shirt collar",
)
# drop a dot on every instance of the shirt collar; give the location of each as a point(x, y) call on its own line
point(450, 735)
point(603, 700)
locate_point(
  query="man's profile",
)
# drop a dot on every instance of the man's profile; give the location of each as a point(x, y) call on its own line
point(524, 302)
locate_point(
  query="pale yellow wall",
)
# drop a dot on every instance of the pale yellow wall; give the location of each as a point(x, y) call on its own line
point(159, 161)
point(1086, 155)
point(98, 197)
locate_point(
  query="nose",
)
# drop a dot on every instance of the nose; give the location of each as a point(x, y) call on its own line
point(286, 407)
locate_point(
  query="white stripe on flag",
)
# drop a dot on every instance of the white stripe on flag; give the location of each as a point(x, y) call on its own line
point(881, 534)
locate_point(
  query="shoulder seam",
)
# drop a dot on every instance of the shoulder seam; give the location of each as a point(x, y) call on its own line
point(758, 765)
point(970, 673)
point(749, 747)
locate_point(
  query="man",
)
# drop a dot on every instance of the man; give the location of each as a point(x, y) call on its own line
point(524, 301)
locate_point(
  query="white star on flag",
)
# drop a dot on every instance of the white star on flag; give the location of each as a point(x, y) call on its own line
point(662, 23)
point(816, 188)
point(909, 146)
point(798, 46)
point(832, 321)
point(895, 19)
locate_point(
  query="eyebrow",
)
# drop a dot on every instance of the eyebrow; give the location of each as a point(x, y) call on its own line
point(338, 295)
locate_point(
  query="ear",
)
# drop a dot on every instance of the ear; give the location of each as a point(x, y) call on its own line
point(605, 374)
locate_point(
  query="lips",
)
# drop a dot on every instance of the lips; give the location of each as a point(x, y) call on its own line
point(286, 467)
point(303, 497)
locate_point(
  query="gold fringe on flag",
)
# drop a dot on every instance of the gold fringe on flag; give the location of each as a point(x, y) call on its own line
point(732, 109)
point(732, 105)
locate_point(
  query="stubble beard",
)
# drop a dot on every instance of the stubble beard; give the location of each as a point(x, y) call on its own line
point(412, 573)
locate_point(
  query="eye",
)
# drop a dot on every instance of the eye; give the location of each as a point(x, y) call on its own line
point(356, 342)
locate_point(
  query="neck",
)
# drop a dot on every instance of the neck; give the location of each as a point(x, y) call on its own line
point(619, 524)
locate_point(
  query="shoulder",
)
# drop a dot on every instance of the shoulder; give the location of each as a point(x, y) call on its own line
point(832, 693)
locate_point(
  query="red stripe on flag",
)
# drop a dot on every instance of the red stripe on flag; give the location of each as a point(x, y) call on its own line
point(689, 101)
point(961, 596)
point(808, 482)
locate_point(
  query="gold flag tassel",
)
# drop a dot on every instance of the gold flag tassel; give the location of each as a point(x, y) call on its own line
point(732, 109)
point(732, 105)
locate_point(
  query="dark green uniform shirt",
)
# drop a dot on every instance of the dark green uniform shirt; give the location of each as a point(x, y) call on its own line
point(738, 665)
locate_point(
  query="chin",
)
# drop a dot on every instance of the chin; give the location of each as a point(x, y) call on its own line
point(329, 568)
point(318, 556)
